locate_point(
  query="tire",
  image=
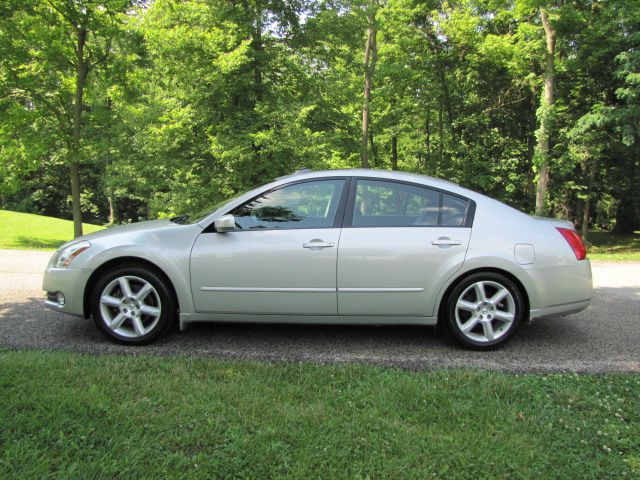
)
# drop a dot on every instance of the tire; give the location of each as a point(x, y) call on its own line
point(484, 310)
point(133, 305)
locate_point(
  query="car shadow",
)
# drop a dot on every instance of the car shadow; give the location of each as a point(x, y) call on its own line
point(31, 323)
point(608, 331)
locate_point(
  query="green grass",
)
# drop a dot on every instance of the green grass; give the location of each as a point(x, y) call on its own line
point(66, 415)
point(28, 231)
point(613, 247)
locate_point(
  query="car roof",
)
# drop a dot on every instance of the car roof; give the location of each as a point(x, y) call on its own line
point(378, 173)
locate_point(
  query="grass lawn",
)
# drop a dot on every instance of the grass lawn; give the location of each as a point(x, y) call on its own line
point(614, 247)
point(28, 231)
point(66, 415)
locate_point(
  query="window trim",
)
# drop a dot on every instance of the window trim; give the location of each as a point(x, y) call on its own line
point(337, 221)
point(349, 210)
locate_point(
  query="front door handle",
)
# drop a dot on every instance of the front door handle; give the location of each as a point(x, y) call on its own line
point(446, 242)
point(317, 244)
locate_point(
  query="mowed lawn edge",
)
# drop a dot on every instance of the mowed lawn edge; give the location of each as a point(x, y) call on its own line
point(613, 247)
point(82, 416)
point(27, 231)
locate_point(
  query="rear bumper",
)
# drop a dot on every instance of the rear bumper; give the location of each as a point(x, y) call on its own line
point(71, 283)
point(559, 310)
point(557, 291)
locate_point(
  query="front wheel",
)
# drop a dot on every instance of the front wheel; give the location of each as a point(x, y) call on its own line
point(132, 305)
point(484, 310)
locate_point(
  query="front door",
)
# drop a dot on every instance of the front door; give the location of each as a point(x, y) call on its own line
point(281, 259)
point(399, 243)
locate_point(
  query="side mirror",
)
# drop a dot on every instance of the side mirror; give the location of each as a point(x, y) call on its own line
point(225, 223)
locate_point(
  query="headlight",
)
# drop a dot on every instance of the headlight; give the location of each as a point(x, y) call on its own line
point(65, 256)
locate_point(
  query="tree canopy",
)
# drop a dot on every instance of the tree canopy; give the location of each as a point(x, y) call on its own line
point(121, 110)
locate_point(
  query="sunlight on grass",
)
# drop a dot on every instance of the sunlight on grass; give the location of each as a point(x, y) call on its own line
point(614, 247)
point(66, 415)
point(28, 231)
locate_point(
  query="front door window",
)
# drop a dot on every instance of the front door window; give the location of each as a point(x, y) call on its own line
point(298, 206)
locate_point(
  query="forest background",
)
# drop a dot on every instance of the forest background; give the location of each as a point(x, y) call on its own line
point(115, 111)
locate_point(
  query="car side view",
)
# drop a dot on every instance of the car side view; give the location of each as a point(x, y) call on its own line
point(334, 247)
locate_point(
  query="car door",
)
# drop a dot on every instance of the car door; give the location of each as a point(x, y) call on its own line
point(281, 259)
point(399, 242)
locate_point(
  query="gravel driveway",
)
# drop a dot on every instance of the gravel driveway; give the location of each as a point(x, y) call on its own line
point(605, 337)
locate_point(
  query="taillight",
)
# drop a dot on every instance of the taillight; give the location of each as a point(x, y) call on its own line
point(574, 241)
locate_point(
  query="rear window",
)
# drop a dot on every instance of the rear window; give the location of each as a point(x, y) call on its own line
point(453, 210)
point(391, 204)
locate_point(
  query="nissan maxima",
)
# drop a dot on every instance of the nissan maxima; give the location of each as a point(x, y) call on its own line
point(332, 247)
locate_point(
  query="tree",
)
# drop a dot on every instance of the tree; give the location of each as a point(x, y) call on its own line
point(545, 114)
point(169, 107)
point(370, 59)
point(627, 125)
point(52, 47)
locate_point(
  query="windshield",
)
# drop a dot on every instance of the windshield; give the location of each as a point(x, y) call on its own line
point(209, 210)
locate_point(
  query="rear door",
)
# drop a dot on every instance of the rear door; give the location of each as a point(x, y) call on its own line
point(398, 244)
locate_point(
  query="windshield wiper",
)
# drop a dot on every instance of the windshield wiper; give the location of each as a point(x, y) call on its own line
point(179, 219)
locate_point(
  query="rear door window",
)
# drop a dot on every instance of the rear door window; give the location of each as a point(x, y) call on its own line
point(379, 203)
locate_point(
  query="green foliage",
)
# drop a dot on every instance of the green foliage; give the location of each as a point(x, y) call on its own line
point(39, 60)
point(199, 99)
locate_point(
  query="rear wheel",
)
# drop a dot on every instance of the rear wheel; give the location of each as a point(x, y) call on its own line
point(133, 305)
point(484, 310)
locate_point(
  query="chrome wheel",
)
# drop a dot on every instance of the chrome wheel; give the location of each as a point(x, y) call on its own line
point(130, 306)
point(485, 311)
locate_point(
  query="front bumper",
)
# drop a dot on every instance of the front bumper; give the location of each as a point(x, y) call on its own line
point(71, 283)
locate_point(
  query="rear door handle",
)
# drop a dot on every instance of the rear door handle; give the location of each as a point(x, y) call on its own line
point(317, 243)
point(445, 241)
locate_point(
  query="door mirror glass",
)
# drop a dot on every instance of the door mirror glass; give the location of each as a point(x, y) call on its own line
point(225, 223)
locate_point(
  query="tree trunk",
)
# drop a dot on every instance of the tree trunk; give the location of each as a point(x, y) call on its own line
point(394, 152)
point(257, 45)
point(586, 208)
point(74, 154)
point(627, 213)
point(530, 188)
point(374, 152)
point(440, 134)
point(112, 213)
point(427, 139)
point(446, 98)
point(544, 132)
point(370, 57)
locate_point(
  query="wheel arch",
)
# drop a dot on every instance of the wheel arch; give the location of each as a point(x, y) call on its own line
point(443, 298)
point(118, 261)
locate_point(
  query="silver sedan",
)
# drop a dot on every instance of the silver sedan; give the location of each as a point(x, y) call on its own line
point(339, 246)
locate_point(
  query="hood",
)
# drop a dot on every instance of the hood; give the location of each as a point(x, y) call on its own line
point(130, 228)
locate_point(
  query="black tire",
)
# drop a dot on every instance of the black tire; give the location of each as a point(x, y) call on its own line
point(508, 329)
point(163, 298)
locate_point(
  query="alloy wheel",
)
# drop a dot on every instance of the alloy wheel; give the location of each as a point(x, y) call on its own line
point(485, 311)
point(130, 306)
